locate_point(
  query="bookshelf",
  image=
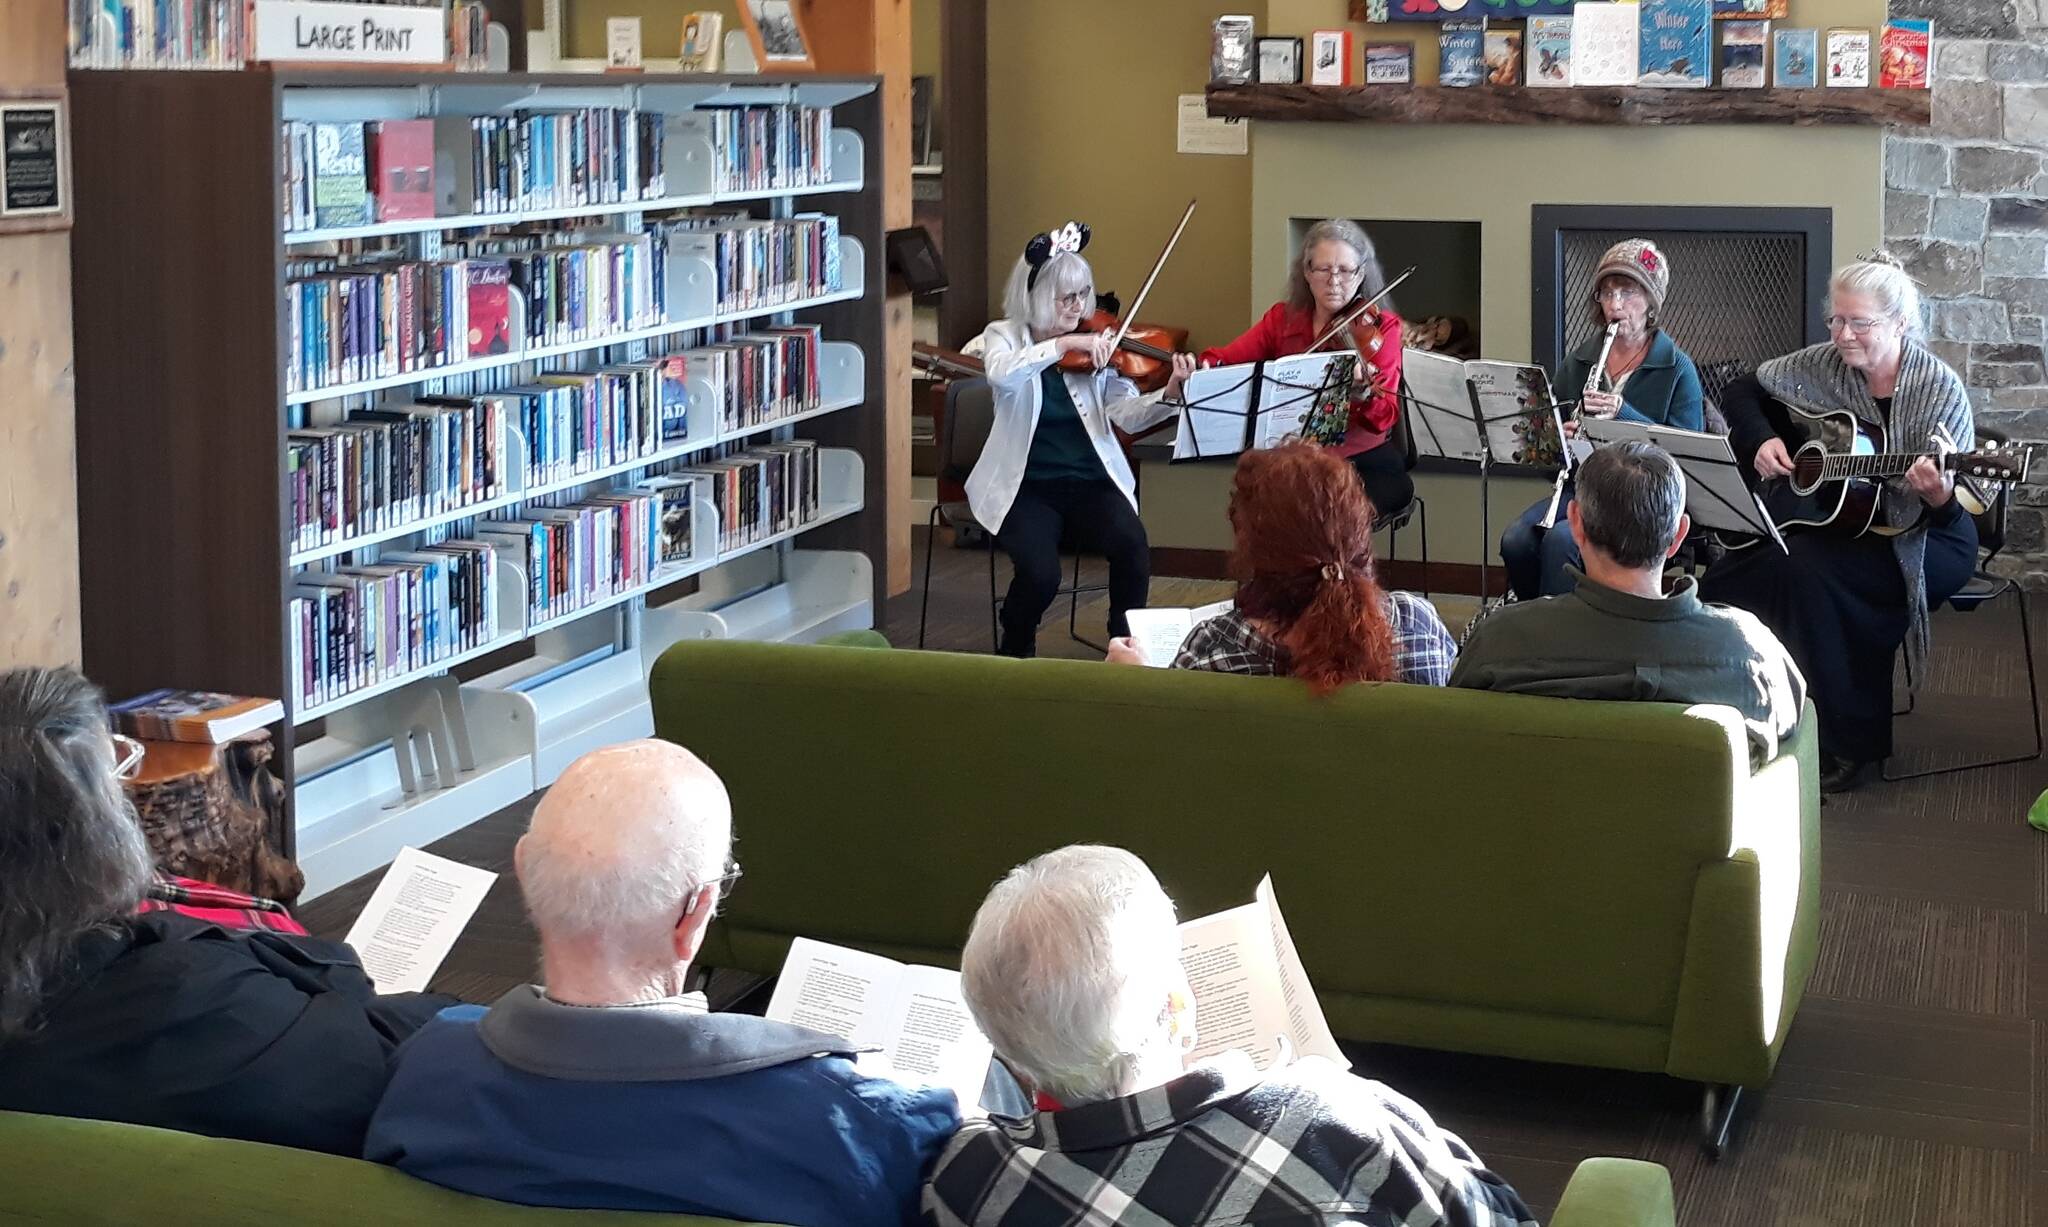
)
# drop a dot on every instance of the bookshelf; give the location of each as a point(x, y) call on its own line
point(189, 560)
point(1517, 104)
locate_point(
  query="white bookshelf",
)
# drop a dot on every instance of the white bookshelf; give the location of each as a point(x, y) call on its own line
point(420, 754)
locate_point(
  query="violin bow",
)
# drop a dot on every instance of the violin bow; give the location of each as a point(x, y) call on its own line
point(1344, 321)
point(1153, 276)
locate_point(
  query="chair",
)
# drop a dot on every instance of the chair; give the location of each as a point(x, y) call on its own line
point(970, 416)
point(1415, 509)
point(1982, 589)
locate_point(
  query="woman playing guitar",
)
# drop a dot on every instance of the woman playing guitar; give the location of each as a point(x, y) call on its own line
point(1843, 604)
point(1336, 269)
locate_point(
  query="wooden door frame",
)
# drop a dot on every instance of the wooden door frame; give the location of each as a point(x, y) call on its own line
point(963, 119)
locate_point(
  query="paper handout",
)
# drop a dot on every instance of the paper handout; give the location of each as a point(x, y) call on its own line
point(1250, 987)
point(413, 918)
point(1160, 632)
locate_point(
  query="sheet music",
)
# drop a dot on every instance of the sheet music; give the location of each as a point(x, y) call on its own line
point(1439, 406)
point(414, 917)
point(1716, 494)
point(1519, 411)
point(1220, 398)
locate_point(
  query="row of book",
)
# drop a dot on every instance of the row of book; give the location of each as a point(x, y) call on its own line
point(390, 317)
point(382, 469)
point(758, 263)
point(578, 285)
point(354, 627)
point(760, 377)
point(583, 421)
point(759, 492)
point(353, 174)
point(763, 148)
point(581, 553)
point(156, 33)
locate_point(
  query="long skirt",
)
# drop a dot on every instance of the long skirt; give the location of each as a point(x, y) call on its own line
point(1838, 604)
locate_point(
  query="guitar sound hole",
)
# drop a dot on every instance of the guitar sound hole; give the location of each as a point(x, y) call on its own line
point(1806, 471)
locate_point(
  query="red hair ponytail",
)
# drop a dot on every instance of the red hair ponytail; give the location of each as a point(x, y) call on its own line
point(1304, 563)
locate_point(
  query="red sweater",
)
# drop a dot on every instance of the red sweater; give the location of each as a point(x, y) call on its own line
point(1283, 331)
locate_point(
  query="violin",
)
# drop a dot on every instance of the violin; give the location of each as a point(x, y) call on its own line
point(1144, 355)
point(1366, 324)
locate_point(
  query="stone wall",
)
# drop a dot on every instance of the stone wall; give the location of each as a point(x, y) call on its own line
point(1966, 206)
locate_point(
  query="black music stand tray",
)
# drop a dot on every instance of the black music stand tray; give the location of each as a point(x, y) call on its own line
point(1717, 495)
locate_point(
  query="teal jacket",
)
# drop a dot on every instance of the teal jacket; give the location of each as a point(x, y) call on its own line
point(1664, 390)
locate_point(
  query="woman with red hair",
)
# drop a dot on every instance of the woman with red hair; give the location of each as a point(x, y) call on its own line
point(1307, 603)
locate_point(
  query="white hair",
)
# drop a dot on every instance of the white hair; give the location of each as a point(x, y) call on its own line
point(1069, 967)
point(622, 841)
point(1038, 305)
point(1880, 278)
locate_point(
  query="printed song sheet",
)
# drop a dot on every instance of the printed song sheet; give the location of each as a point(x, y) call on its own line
point(413, 919)
point(1160, 632)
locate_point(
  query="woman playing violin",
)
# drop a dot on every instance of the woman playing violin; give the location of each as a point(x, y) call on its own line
point(1052, 467)
point(1335, 270)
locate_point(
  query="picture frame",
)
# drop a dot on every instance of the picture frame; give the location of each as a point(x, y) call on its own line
point(1279, 61)
point(776, 32)
point(35, 161)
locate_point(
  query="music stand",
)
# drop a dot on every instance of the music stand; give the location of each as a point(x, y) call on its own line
point(1717, 495)
point(1481, 412)
point(1232, 409)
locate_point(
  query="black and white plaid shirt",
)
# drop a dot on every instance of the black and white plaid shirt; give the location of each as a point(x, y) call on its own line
point(1228, 643)
point(1306, 1146)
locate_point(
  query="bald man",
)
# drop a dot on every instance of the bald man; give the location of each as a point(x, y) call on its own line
point(609, 1087)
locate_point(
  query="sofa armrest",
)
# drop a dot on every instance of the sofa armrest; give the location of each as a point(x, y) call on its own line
point(1617, 1193)
point(855, 639)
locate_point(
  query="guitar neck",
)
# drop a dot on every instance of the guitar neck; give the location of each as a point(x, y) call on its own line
point(1884, 464)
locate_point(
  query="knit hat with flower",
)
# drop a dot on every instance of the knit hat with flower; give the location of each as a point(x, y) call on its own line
point(1640, 261)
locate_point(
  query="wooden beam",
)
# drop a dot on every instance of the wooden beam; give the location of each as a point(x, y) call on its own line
point(38, 486)
point(1437, 104)
point(963, 111)
point(873, 36)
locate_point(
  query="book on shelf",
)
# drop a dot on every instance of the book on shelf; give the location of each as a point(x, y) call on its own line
point(355, 627)
point(1606, 42)
point(1390, 63)
point(1550, 51)
point(757, 263)
point(341, 189)
point(1159, 632)
point(760, 492)
point(580, 553)
point(1906, 53)
point(193, 715)
point(700, 43)
point(381, 469)
point(1330, 60)
point(1795, 58)
point(1677, 44)
point(1251, 995)
point(756, 378)
point(1503, 57)
point(1461, 51)
point(678, 495)
point(761, 148)
point(1231, 60)
point(1725, 10)
point(401, 153)
point(1279, 61)
point(1744, 45)
point(1848, 58)
point(157, 33)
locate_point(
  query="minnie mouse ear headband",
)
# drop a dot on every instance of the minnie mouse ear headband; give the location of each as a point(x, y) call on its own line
point(1070, 238)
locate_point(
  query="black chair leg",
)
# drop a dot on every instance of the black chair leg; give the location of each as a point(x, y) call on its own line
point(1074, 610)
point(1422, 527)
point(1717, 1117)
point(2033, 707)
point(924, 608)
point(995, 603)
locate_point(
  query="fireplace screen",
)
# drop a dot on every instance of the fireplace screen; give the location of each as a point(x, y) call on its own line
point(1741, 291)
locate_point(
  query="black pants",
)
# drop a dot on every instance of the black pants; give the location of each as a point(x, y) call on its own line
point(1094, 515)
point(1383, 471)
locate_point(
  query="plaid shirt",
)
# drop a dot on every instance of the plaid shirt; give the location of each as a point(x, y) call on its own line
point(1307, 1146)
point(217, 905)
point(1228, 643)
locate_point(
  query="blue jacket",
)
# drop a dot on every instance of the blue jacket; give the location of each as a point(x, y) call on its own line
point(1664, 390)
point(657, 1107)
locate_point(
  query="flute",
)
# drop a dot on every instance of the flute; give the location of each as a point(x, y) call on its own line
point(1593, 380)
point(1599, 371)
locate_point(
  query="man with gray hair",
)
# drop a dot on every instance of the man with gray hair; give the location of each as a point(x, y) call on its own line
point(1072, 969)
point(609, 1087)
point(1618, 635)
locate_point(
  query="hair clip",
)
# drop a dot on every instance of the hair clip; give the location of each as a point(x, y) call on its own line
point(1070, 238)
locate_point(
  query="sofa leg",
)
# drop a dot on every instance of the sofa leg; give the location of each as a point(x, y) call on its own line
point(1718, 1106)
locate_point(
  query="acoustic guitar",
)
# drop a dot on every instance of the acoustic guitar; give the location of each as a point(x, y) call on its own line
point(1839, 467)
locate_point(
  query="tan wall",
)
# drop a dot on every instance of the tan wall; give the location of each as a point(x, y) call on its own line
point(38, 457)
point(1081, 125)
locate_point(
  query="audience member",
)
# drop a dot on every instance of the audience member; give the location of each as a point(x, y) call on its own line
point(155, 1017)
point(1308, 605)
point(1072, 969)
point(609, 1087)
point(1617, 635)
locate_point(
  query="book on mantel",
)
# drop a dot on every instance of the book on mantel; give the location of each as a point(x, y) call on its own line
point(193, 715)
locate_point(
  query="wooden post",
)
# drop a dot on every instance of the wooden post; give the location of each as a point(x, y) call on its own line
point(38, 488)
point(873, 36)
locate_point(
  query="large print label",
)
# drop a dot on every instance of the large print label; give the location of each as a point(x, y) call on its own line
point(349, 33)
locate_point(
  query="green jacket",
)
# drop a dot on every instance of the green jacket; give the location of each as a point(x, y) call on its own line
point(1597, 643)
point(1664, 390)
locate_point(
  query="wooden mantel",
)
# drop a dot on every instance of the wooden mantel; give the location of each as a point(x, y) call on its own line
point(1437, 104)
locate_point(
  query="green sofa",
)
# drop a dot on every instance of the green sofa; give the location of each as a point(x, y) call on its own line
point(95, 1174)
point(1600, 884)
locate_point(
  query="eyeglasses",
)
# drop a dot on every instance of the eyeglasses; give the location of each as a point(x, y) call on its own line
point(724, 882)
point(1854, 323)
point(1333, 272)
point(1079, 298)
point(128, 754)
point(1618, 293)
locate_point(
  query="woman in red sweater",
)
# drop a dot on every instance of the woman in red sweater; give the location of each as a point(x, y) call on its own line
point(1335, 269)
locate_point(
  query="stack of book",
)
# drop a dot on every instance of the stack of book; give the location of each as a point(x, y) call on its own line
point(763, 148)
point(382, 469)
point(355, 627)
point(582, 552)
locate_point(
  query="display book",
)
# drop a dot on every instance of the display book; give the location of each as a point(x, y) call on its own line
point(1676, 44)
point(193, 715)
point(1246, 977)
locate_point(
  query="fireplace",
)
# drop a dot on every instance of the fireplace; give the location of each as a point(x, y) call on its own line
point(1747, 283)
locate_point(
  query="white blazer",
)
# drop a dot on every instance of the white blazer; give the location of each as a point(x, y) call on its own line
point(1013, 363)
